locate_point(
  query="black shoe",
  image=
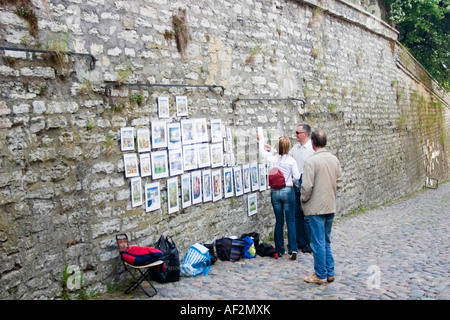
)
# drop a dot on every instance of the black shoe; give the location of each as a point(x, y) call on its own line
point(309, 250)
point(293, 256)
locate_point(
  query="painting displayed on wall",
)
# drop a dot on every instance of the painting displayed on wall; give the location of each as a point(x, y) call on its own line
point(143, 139)
point(216, 155)
point(186, 191)
point(196, 179)
point(159, 134)
point(163, 107)
point(175, 162)
point(160, 168)
point(217, 184)
point(187, 131)
point(238, 187)
point(130, 164)
point(228, 186)
point(262, 177)
point(216, 130)
point(190, 157)
point(144, 162)
point(207, 191)
point(200, 130)
point(254, 176)
point(173, 135)
point(152, 196)
point(203, 153)
point(136, 192)
point(246, 178)
point(172, 195)
point(252, 204)
point(182, 105)
point(127, 139)
point(229, 141)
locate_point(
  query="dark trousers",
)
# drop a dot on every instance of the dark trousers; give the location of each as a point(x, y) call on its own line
point(301, 222)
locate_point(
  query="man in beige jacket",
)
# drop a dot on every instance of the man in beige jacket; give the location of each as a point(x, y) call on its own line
point(322, 177)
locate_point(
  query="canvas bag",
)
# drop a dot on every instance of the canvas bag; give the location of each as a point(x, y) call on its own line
point(276, 179)
point(169, 271)
point(196, 261)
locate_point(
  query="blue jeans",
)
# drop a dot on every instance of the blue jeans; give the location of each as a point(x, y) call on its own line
point(321, 244)
point(283, 203)
point(301, 221)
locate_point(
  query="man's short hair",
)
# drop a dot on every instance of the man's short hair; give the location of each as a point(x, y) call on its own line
point(319, 138)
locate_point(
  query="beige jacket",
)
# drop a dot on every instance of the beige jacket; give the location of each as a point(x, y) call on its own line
point(322, 177)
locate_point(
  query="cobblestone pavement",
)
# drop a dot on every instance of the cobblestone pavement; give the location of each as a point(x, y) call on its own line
point(398, 251)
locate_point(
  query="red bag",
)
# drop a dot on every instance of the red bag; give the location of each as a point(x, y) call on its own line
point(139, 256)
point(276, 179)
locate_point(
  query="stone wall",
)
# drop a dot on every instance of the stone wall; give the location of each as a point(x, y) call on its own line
point(63, 190)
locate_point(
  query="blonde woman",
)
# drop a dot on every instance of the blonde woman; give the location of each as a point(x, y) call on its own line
point(283, 200)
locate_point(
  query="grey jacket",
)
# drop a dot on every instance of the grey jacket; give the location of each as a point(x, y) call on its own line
point(322, 177)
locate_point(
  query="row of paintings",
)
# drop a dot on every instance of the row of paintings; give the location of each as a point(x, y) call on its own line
point(202, 186)
point(172, 162)
point(170, 135)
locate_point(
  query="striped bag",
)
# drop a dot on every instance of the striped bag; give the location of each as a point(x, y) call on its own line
point(197, 260)
point(237, 249)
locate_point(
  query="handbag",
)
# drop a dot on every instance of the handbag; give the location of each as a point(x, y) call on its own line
point(169, 271)
point(212, 253)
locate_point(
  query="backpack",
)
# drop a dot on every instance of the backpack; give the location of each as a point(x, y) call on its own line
point(249, 248)
point(276, 178)
point(265, 250)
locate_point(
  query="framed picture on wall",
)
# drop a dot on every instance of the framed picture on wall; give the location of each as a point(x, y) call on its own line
point(173, 204)
point(216, 130)
point(163, 107)
point(216, 176)
point(228, 186)
point(196, 179)
point(207, 190)
point(254, 176)
point(136, 192)
point(173, 135)
point(143, 139)
point(152, 196)
point(238, 187)
point(252, 204)
point(187, 131)
point(182, 105)
point(159, 134)
point(127, 139)
point(190, 157)
point(160, 168)
point(175, 162)
point(203, 153)
point(130, 164)
point(246, 178)
point(262, 176)
point(216, 155)
point(145, 164)
point(186, 190)
point(200, 130)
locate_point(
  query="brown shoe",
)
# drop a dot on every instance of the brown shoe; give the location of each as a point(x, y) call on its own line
point(330, 279)
point(313, 279)
point(293, 256)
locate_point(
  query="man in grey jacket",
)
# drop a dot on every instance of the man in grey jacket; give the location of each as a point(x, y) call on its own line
point(322, 177)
